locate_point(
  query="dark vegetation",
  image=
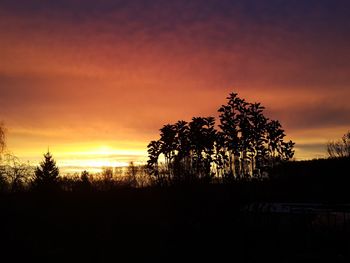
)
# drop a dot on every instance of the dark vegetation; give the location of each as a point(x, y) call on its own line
point(191, 207)
point(246, 145)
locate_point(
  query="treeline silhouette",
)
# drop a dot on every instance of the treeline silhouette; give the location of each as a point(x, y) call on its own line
point(16, 176)
point(311, 180)
point(246, 145)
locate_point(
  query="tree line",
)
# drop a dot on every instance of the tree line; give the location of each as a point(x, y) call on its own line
point(16, 176)
point(245, 144)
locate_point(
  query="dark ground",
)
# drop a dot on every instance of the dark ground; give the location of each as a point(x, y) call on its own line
point(198, 223)
point(170, 224)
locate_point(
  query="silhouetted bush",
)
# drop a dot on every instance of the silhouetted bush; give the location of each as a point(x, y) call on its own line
point(339, 148)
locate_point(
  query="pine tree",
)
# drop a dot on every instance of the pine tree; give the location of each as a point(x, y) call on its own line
point(46, 174)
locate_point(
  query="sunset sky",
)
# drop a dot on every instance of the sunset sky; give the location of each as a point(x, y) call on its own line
point(95, 80)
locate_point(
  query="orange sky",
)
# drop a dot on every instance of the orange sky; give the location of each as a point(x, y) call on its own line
point(95, 81)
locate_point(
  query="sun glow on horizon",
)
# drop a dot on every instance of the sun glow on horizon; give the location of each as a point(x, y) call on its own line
point(96, 158)
point(77, 157)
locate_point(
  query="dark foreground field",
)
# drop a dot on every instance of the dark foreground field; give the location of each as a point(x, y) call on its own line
point(174, 224)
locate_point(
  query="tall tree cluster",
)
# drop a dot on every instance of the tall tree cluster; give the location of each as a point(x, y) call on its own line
point(243, 145)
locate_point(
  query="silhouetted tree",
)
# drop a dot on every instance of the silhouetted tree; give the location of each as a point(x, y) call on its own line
point(246, 143)
point(339, 148)
point(154, 151)
point(183, 144)
point(187, 148)
point(131, 173)
point(229, 125)
point(182, 159)
point(81, 184)
point(258, 127)
point(278, 150)
point(202, 137)
point(84, 177)
point(15, 175)
point(168, 145)
point(220, 158)
point(46, 174)
point(107, 173)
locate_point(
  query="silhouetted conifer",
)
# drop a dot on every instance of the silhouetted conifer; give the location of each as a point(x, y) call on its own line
point(46, 174)
point(84, 184)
